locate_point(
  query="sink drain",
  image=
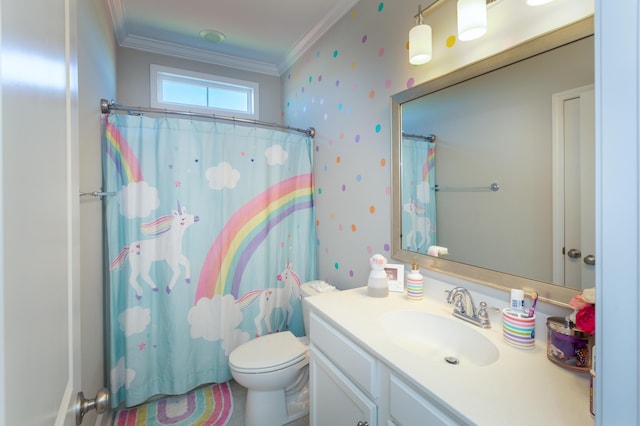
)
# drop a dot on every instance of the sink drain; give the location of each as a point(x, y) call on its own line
point(452, 360)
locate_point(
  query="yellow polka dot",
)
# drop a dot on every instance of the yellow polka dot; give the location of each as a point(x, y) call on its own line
point(353, 14)
point(406, 46)
point(353, 65)
point(451, 41)
point(332, 216)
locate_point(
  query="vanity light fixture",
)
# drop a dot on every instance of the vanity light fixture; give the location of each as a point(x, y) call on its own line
point(420, 41)
point(472, 19)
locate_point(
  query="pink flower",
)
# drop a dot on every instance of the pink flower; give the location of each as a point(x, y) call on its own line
point(586, 319)
point(585, 311)
point(578, 303)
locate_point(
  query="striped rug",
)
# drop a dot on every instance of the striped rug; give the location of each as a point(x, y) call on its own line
point(208, 405)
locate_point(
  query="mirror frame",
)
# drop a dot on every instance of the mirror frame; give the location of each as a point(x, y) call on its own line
point(550, 293)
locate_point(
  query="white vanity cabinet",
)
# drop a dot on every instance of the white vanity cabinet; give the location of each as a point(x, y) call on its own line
point(343, 379)
point(351, 387)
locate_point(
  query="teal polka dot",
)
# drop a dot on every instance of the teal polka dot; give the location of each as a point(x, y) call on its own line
point(339, 107)
point(378, 128)
point(337, 266)
point(335, 53)
point(380, 6)
point(310, 79)
point(319, 191)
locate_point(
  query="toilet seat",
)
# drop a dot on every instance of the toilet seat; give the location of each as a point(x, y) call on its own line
point(268, 353)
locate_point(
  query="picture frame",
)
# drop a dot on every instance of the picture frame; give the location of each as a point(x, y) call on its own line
point(395, 276)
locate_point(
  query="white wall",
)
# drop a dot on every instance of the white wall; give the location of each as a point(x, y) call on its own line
point(96, 80)
point(133, 80)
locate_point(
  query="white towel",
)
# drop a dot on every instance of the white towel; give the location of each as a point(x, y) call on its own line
point(322, 286)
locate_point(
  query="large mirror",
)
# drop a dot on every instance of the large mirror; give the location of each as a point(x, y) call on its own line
point(493, 168)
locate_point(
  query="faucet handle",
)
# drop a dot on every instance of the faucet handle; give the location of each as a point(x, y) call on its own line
point(459, 304)
point(483, 315)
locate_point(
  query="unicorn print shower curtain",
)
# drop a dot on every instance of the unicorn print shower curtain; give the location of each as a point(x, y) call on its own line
point(418, 194)
point(208, 237)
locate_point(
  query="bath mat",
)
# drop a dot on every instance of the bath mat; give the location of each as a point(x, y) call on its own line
point(208, 405)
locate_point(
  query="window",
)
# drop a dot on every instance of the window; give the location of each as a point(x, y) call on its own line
point(184, 90)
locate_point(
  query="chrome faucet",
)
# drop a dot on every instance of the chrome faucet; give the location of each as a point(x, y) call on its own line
point(464, 308)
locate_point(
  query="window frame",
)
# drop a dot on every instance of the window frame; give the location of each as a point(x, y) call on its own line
point(160, 73)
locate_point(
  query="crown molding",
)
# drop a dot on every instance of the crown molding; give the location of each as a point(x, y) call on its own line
point(185, 52)
point(310, 38)
point(124, 39)
point(116, 9)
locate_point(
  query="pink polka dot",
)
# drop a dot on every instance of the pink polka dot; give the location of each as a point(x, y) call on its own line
point(387, 190)
point(340, 227)
point(411, 82)
point(381, 52)
point(369, 249)
point(387, 84)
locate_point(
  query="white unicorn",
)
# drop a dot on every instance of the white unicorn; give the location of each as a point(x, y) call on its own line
point(420, 226)
point(165, 244)
point(278, 297)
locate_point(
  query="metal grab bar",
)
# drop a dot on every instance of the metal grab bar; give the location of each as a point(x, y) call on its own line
point(494, 187)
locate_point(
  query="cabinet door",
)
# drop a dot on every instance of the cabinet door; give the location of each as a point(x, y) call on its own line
point(408, 408)
point(335, 400)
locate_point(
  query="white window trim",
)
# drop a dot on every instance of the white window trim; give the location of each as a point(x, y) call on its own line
point(155, 91)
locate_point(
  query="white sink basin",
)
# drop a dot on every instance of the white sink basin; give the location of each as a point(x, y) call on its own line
point(442, 339)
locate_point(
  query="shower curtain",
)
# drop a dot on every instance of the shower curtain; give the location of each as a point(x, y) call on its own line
point(209, 234)
point(418, 194)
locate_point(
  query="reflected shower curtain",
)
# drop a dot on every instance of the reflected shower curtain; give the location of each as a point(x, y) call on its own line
point(208, 220)
point(418, 194)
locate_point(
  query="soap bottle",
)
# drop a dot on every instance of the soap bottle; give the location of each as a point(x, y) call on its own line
point(378, 284)
point(415, 286)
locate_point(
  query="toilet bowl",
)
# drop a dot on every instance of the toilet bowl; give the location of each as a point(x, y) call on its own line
point(275, 370)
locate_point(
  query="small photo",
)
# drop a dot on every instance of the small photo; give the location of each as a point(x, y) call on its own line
point(395, 275)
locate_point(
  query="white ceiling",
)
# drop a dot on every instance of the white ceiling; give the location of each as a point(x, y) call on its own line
point(265, 36)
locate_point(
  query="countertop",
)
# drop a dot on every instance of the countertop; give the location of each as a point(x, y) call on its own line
point(521, 388)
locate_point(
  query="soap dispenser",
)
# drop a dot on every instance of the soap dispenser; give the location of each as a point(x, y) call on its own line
point(415, 286)
point(378, 284)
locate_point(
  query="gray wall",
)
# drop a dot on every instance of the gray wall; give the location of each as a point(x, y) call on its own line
point(133, 80)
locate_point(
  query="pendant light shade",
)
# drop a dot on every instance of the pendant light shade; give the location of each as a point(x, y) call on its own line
point(420, 44)
point(472, 19)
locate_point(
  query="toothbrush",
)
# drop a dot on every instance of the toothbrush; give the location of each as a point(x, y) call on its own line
point(534, 297)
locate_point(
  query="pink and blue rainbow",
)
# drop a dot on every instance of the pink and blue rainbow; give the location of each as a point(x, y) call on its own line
point(123, 157)
point(246, 230)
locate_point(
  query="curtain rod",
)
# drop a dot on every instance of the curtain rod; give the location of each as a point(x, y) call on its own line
point(106, 107)
point(429, 138)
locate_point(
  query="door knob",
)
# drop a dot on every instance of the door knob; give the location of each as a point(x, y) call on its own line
point(574, 254)
point(83, 405)
point(590, 259)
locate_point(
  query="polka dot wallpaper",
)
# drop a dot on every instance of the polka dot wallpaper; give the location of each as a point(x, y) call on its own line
point(342, 87)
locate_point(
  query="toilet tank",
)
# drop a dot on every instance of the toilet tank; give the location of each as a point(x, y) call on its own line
point(308, 289)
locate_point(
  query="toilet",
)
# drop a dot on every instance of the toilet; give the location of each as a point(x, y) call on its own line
point(275, 370)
